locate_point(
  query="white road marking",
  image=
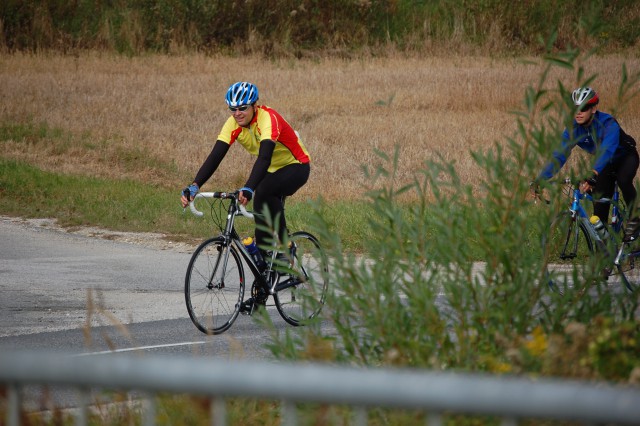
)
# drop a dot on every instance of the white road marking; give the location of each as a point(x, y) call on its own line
point(140, 348)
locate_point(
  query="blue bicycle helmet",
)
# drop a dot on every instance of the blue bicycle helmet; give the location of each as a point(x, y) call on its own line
point(241, 93)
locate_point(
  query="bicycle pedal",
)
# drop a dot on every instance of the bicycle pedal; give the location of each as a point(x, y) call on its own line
point(248, 313)
point(247, 307)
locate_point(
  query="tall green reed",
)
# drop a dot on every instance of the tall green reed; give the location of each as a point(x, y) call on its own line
point(456, 278)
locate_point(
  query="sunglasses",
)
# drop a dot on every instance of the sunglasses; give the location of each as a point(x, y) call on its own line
point(241, 108)
point(586, 108)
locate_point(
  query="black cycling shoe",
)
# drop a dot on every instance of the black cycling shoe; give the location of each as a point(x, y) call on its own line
point(282, 260)
point(248, 306)
point(258, 298)
point(632, 230)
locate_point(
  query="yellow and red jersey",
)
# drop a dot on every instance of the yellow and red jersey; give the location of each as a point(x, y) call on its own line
point(267, 123)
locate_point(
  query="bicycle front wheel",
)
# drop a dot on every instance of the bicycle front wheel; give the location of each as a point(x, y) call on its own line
point(214, 286)
point(302, 288)
point(568, 253)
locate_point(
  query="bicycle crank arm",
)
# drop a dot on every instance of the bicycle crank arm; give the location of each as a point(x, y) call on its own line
point(291, 282)
point(617, 260)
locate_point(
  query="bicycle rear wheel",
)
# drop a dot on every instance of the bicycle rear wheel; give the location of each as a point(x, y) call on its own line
point(214, 286)
point(629, 267)
point(568, 253)
point(302, 288)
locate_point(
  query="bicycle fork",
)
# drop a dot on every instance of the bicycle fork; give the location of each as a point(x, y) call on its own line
point(219, 262)
point(570, 246)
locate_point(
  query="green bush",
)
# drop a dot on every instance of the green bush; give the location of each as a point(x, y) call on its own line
point(292, 27)
point(421, 298)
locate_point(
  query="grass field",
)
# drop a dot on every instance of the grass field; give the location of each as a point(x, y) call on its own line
point(154, 119)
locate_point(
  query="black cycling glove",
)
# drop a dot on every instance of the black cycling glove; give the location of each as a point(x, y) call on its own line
point(593, 180)
point(247, 192)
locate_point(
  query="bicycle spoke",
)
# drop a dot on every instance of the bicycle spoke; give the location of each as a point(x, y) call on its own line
point(300, 296)
point(214, 287)
point(568, 254)
point(629, 266)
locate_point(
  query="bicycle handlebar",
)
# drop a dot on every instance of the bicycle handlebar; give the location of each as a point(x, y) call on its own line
point(574, 185)
point(224, 195)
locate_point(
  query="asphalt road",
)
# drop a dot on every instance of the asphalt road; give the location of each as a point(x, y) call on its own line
point(83, 295)
point(74, 292)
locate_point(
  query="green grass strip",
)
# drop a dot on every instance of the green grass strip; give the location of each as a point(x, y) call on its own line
point(126, 205)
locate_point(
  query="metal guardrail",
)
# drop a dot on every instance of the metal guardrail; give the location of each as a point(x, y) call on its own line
point(511, 398)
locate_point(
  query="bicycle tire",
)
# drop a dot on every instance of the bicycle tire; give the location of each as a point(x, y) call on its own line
point(568, 254)
point(302, 288)
point(629, 267)
point(213, 298)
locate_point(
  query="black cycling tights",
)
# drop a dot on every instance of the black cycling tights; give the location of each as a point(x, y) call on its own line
point(623, 171)
point(269, 193)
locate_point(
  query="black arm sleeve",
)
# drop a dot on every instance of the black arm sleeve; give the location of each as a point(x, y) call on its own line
point(262, 164)
point(211, 163)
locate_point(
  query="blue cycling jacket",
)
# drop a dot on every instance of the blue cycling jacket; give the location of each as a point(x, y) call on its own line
point(601, 138)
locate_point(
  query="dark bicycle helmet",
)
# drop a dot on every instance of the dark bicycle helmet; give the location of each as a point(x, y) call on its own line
point(241, 93)
point(584, 96)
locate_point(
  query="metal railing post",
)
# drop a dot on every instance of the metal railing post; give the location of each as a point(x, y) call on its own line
point(149, 410)
point(289, 413)
point(360, 416)
point(14, 403)
point(82, 414)
point(218, 411)
point(434, 419)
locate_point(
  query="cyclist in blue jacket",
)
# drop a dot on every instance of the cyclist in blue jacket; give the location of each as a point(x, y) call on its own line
point(616, 156)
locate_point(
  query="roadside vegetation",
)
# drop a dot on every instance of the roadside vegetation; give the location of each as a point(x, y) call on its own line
point(421, 159)
point(309, 28)
point(145, 124)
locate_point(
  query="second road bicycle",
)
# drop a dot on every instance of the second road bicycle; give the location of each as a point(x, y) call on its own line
point(577, 254)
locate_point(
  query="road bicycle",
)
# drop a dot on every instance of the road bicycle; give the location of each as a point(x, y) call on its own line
point(576, 254)
point(296, 273)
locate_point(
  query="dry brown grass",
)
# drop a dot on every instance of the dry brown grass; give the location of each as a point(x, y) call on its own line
point(171, 108)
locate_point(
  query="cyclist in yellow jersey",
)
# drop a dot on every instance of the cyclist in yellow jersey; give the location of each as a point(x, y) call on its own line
point(282, 164)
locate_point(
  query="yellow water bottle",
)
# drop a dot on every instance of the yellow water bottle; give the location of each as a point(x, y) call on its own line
point(254, 251)
point(600, 228)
